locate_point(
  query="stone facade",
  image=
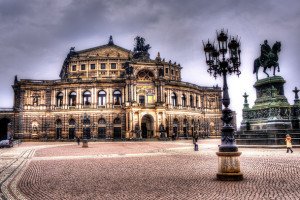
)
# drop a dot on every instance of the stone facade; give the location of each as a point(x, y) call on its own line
point(109, 92)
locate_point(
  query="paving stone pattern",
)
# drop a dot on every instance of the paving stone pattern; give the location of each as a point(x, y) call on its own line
point(148, 170)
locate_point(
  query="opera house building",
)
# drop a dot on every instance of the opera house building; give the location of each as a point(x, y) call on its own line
point(109, 92)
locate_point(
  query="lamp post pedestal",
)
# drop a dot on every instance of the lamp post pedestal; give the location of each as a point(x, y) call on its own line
point(85, 143)
point(229, 166)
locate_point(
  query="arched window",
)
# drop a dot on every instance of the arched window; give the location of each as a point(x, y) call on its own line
point(101, 98)
point(174, 99)
point(192, 101)
point(117, 97)
point(59, 99)
point(145, 75)
point(72, 122)
point(101, 121)
point(197, 101)
point(183, 97)
point(87, 98)
point(72, 99)
point(142, 99)
point(58, 123)
point(86, 121)
point(117, 120)
point(35, 100)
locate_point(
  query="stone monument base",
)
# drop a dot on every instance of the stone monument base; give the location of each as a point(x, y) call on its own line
point(229, 166)
point(266, 137)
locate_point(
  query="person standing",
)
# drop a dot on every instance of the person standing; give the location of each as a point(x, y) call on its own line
point(78, 140)
point(288, 140)
point(195, 141)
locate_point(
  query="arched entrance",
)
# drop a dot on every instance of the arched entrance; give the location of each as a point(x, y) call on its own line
point(175, 127)
point(72, 127)
point(101, 128)
point(147, 126)
point(4, 135)
point(86, 128)
point(117, 128)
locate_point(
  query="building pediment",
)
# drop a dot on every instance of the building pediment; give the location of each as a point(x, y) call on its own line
point(110, 51)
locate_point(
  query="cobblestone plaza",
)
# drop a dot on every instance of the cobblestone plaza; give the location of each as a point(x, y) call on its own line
point(143, 170)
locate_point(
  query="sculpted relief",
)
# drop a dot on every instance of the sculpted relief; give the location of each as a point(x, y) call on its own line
point(109, 52)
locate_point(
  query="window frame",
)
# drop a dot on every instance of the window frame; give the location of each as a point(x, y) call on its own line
point(103, 64)
point(74, 68)
point(111, 65)
point(94, 65)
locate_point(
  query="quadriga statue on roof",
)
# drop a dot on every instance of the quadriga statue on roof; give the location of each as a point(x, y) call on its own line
point(268, 58)
point(141, 49)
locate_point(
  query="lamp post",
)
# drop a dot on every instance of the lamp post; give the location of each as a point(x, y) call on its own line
point(222, 64)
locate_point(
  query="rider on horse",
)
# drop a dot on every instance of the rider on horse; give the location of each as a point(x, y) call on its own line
point(265, 50)
point(268, 58)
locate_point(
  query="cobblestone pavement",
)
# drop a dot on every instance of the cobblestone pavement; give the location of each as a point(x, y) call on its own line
point(144, 170)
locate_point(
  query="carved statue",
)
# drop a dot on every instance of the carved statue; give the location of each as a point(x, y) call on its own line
point(162, 131)
point(296, 91)
point(140, 44)
point(268, 58)
point(140, 50)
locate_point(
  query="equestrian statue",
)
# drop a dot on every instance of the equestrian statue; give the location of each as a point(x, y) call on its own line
point(268, 58)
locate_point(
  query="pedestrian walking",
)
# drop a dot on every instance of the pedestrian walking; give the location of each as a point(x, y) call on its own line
point(288, 140)
point(78, 140)
point(195, 141)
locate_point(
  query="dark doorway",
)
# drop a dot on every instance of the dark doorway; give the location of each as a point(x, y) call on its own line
point(147, 126)
point(71, 133)
point(167, 130)
point(101, 132)
point(4, 128)
point(58, 128)
point(87, 133)
point(144, 130)
point(117, 132)
point(175, 131)
point(58, 133)
point(184, 132)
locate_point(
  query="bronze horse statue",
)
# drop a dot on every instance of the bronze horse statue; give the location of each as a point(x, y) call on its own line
point(268, 58)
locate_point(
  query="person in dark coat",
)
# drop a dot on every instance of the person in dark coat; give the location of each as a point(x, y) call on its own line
point(195, 141)
point(78, 140)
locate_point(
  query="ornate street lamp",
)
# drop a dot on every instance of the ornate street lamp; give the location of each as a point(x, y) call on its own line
point(220, 63)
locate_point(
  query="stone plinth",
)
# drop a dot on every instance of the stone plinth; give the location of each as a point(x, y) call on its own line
point(271, 109)
point(229, 166)
point(85, 143)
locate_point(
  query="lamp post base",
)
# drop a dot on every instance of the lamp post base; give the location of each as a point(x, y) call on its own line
point(85, 143)
point(229, 166)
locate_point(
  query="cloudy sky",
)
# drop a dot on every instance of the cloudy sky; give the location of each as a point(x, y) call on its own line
point(35, 36)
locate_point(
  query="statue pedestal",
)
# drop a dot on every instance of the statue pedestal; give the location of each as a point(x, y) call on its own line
point(229, 166)
point(85, 143)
